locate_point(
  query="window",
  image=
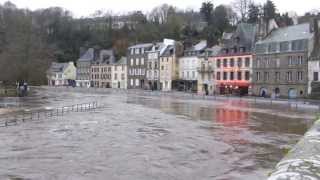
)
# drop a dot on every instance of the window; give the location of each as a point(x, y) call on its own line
point(247, 62)
point(137, 82)
point(272, 47)
point(299, 76)
point(315, 76)
point(284, 46)
point(115, 76)
point(115, 68)
point(266, 76)
point(277, 76)
point(188, 74)
point(218, 76)
point(218, 63)
point(225, 75)
point(290, 60)
point(289, 76)
point(239, 75)
point(131, 51)
point(231, 76)
point(150, 65)
point(131, 62)
point(225, 62)
point(162, 67)
point(137, 61)
point(137, 51)
point(247, 75)
point(258, 76)
point(239, 62)
point(193, 74)
point(231, 62)
point(131, 82)
point(277, 63)
point(155, 65)
point(122, 76)
point(142, 61)
point(300, 60)
point(143, 71)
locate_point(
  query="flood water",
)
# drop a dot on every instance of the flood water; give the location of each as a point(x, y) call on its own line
point(148, 138)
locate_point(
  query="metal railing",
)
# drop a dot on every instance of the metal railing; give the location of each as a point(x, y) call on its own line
point(24, 116)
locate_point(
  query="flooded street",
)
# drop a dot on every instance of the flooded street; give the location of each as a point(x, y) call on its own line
point(148, 138)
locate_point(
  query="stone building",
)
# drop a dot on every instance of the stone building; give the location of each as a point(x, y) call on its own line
point(119, 74)
point(153, 62)
point(169, 65)
point(101, 70)
point(61, 74)
point(84, 67)
point(233, 64)
point(280, 68)
point(314, 63)
point(206, 71)
point(188, 67)
point(137, 66)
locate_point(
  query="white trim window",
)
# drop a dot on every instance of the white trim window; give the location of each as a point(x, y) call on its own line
point(137, 82)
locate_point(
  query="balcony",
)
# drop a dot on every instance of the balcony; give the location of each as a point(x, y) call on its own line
point(205, 69)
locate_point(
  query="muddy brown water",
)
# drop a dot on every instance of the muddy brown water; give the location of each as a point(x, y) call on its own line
point(148, 137)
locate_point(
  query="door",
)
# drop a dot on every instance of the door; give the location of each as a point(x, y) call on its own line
point(292, 93)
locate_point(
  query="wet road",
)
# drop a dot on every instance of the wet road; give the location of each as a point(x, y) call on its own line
point(148, 137)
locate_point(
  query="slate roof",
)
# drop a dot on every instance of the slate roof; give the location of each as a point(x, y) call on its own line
point(202, 45)
point(87, 56)
point(106, 56)
point(214, 50)
point(290, 33)
point(57, 67)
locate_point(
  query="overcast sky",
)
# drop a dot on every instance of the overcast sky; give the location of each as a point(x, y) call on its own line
point(86, 7)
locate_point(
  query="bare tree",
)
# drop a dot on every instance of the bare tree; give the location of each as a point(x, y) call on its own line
point(242, 8)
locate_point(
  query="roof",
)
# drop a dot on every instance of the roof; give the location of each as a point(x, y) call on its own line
point(58, 67)
point(214, 50)
point(145, 45)
point(202, 45)
point(290, 33)
point(106, 56)
point(122, 61)
point(88, 55)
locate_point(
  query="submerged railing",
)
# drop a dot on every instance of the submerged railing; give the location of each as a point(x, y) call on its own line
point(26, 115)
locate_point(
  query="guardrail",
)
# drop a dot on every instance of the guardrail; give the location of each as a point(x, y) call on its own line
point(23, 116)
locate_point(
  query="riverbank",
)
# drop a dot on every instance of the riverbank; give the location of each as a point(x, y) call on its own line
point(303, 161)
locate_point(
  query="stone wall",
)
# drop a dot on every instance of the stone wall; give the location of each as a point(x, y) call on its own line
point(303, 161)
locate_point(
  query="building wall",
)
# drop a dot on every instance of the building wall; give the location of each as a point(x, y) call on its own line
point(168, 72)
point(101, 76)
point(70, 72)
point(313, 70)
point(205, 77)
point(83, 73)
point(286, 71)
point(119, 76)
point(188, 68)
point(235, 65)
point(153, 74)
point(136, 70)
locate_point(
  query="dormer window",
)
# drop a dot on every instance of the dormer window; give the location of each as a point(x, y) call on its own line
point(237, 39)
